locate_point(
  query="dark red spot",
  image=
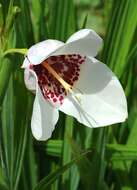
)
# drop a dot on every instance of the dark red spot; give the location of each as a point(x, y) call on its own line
point(54, 100)
point(52, 95)
point(75, 78)
point(61, 98)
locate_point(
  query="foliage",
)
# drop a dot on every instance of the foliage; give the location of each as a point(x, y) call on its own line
point(111, 162)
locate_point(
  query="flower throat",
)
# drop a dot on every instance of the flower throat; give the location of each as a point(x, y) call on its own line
point(57, 76)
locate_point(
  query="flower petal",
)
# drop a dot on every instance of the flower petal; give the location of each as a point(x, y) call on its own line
point(40, 51)
point(44, 118)
point(30, 79)
point(103, 101)
point(84, 42)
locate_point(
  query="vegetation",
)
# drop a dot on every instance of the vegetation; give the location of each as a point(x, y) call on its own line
point(76, 157)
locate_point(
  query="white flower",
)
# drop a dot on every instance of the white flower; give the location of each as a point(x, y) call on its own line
point(67, 77)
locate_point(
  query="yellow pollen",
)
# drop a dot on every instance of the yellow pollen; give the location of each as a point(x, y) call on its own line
point(55, 74)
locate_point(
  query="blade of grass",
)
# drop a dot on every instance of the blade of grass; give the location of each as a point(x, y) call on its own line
point(64, 25)
point(66, 157)
point(47, 181)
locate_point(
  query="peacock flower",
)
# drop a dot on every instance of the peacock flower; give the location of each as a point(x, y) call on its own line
point(67, 77)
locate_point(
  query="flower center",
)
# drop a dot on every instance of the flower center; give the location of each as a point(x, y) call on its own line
point(57, 76)
point(53, 72)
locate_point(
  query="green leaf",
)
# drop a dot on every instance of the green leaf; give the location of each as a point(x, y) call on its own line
point(3, 184)
point(66, 157)
point(5, 72)
point(86, 166)
point(12, 11)
point(84, 22)
point(125, 19)
point(48, 180)
point(64, 24)
point(52, 147)
point(38, 19)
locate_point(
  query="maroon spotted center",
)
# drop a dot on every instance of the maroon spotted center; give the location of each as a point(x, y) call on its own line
point(67, 67)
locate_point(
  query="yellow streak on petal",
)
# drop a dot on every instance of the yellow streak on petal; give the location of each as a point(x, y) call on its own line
point(55, 74)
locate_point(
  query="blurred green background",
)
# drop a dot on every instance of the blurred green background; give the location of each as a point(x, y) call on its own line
point(76, 157)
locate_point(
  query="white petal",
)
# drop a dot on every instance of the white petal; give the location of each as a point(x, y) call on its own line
point(30, 79)
point(103, 102)
point(84, 42)
point(40, 51)
point(44, 118)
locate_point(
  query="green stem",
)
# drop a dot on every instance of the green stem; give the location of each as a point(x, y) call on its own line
point(14, 50)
